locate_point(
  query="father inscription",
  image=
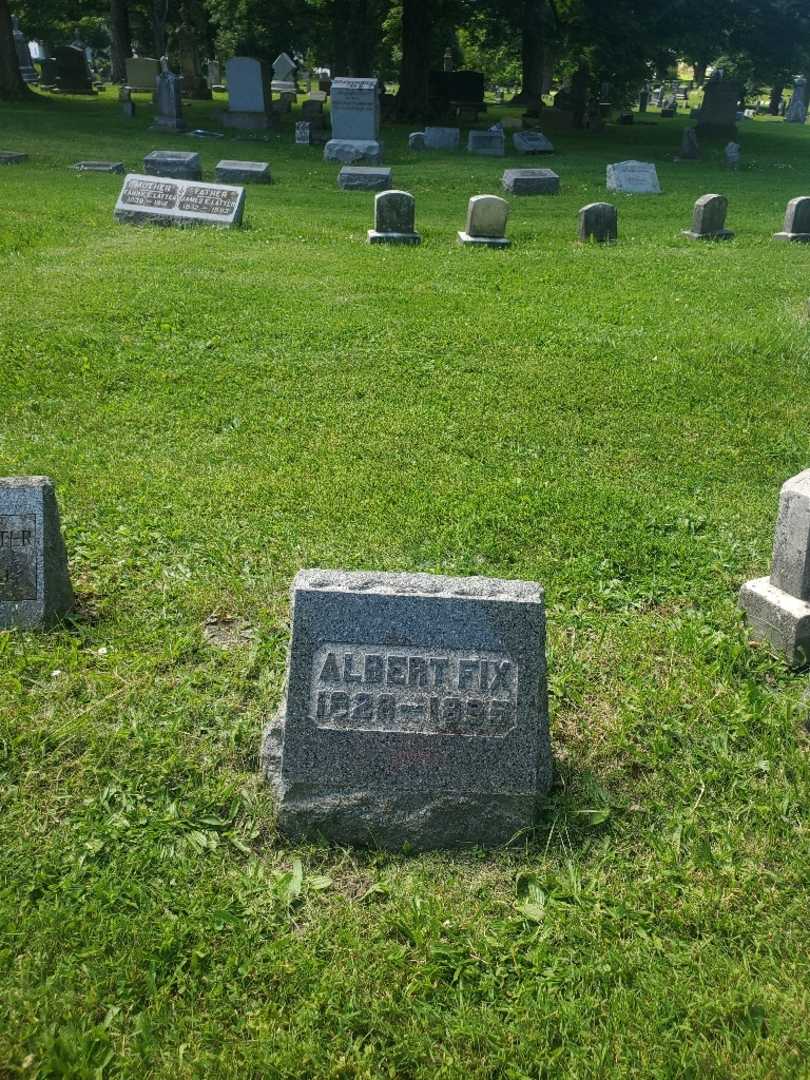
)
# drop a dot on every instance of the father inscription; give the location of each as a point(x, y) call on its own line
point(415, 710)
point(34, 583)
point(178, 202)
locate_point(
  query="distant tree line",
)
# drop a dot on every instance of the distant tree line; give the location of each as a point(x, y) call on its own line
point(518, 44)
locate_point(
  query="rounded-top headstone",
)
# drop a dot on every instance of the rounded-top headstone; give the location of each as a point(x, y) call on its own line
point(598, 221)
point(486, 216)
point(797, 220)
point(394, 212)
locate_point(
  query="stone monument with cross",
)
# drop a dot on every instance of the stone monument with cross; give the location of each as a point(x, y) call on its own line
point(777, 607)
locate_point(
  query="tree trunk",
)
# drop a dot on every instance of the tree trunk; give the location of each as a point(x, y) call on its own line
point(579, 95)
point(776, 99)
point(412, 99)
point(119, 40)
point(160, 10)
point(531, 54)
point(12, 87)
point(340, 38)
point(700, 73)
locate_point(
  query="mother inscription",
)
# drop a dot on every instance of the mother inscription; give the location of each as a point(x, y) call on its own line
point(415, 710)
point(178, 202)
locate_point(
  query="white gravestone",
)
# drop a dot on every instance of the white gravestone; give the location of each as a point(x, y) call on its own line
point(163, 201)
point(486, 222)
point(355, 121)
point(633, 178)
point(778, 607)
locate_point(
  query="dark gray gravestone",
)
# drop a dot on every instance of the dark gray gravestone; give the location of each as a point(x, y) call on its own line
point(34, 582)
point(71, 74)
point(488, 143)
point(364, 178)
point(167, 102)
point(690, 148)
point(709, 219)
point(797, 221)
point(532, 142)
point(179, 164)
point(531, 182)
point(162, 201)
point(416, 141)
point(718, 113)
point(599, 221)
point(415, 710)
point(394, 213)
point(243, 172)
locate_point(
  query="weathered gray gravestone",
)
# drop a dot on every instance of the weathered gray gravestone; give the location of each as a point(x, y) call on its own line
point(12, 157)
point(168, 105)
point(731, 153)
point(778, 607)
point(797, 221)
point(165, 201)
point(355, 121)
point(486, 222)
point(709, 219)
point(531, 182)
point(718, 113)
point(690, 148)
point(442, 138)
point(247, 101)
point(487, 143)
point(72, 75)
point(99, 166)
point(599, 221)
point(34, 582)
point(394, 213)
point(532, 142)
point(415, 710)
point(142, 72)
point(416, 140)
point(178, 164)
point(796, 112)
point(364, 178)
point(242, 172)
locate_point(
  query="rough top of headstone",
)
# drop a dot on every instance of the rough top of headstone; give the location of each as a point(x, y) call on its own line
point(26, 481)
point(415, 584)
point(187, 157)
point(348, 82)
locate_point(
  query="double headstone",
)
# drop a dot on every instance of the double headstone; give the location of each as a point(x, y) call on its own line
point(486, 222)
point(796, 112)
point(797, 221)
point(599, 221)
point(167, 101)
point(247, 103)
point(34, 581)
point(164, 201)
point(415, 710)
point(394, 213)
point(531, 182)
point(633, 178)
point(778, 607)
point(355, 122)
point(709, 219)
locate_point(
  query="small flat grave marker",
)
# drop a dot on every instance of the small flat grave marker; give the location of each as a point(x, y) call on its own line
point(11, 157)
point(532, 142)
point(165, 201)
point(486, 222)
point(99, 166)
point(177, 164)
point(34, 582)
point(243, 172)
point(442, 138)
point(415, 710)
point(364, 178)
point(487, 143)
point(531, 182)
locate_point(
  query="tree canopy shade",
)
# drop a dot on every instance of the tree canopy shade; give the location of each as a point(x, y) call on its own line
point(592, 42)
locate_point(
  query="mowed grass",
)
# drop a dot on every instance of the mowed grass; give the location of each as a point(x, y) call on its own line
point(219, 409)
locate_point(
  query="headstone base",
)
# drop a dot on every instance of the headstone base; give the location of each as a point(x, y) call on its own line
point(9, 157)
point(483, 241)
point(722, 234)
point(779, 618)
point(251, 121)
point(350, 150)
point(375, 237)
point(794, 237)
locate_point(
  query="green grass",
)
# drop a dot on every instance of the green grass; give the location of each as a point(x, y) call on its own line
point(218, 410)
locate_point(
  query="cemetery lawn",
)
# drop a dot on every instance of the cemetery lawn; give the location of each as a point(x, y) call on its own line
point(219, 409)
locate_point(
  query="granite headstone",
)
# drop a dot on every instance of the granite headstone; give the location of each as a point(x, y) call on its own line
point(709, 219)
point(486, 222)
point(355, 121)
point(598, 221)
point(394, 213)
point(163, 201)
point(247, 101)
point(531, 182)
point(179, 164)
point(633, 178)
